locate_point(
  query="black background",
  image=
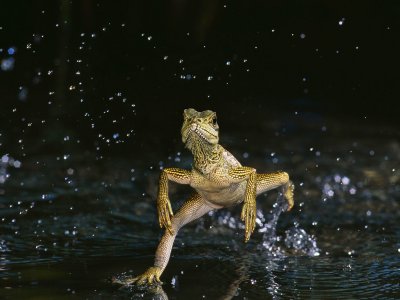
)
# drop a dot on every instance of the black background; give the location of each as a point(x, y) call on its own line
point(283, 57)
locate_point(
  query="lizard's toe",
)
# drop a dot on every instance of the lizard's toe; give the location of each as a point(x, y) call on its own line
point(289, 192)
point(149, 277)
point(124, 281)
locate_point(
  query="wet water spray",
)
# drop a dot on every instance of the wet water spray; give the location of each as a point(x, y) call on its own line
point(296, 238)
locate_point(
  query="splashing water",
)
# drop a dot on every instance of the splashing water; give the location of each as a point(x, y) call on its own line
point(5, 162)
point(3, 247)
point(269, 228)
point(296, 238)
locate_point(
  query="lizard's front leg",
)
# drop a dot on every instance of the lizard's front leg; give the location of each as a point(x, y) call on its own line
point(269, 181)
point(163, 204)
point(248, 214)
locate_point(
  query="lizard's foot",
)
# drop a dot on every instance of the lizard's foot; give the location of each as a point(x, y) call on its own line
point(150, 276)
point(249, 217)
point(288, 194)
point(165, 213)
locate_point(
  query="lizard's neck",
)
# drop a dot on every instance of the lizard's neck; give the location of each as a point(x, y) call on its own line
point(206, 156)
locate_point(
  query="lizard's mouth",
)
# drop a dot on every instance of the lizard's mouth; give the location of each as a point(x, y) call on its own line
point(209, 135)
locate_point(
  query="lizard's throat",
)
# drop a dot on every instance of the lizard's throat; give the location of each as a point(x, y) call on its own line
point(205, 155)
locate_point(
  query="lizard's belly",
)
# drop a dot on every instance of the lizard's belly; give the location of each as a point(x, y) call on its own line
point(216, 187)
point(224, 197)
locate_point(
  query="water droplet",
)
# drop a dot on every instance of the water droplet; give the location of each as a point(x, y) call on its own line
point(7, 64)
point(174, 281)
point(23, 93)
point(11, 50)
point(345, 180)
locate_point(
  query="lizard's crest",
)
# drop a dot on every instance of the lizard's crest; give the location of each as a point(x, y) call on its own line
point(199, 129)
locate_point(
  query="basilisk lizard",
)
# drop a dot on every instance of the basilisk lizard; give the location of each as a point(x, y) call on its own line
point(219, 180)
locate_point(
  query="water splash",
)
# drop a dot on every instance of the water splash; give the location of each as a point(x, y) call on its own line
point(336, 186)
point(7, 64)
point(3, 247)
point(299, 240)
point(269, 228)
point(295, 237)
point(5, 162)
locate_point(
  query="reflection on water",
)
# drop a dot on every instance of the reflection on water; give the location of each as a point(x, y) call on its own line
point(69, 225)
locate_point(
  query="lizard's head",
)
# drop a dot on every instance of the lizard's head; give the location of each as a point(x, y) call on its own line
point(199, 128)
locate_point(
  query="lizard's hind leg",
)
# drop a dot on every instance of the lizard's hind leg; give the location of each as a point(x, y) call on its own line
point(192, 209)
point(269, 181)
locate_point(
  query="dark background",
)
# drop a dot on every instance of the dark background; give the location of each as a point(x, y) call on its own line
point(87, 73)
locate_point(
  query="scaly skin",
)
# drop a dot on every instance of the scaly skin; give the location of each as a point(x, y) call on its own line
point(219, 181)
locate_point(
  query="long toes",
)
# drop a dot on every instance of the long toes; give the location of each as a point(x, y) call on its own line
point(132, 280)
point(290, 203)
point(115, 280)
point(150, 279)
point(124, 281)
point(243, 214)
point(141, 280)
point(157, 279)
point(246, 238)
point(162, 216)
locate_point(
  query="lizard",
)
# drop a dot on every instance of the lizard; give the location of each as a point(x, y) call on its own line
point(219, 181)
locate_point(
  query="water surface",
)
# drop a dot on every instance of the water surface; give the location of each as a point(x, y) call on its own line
point(70, 223)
